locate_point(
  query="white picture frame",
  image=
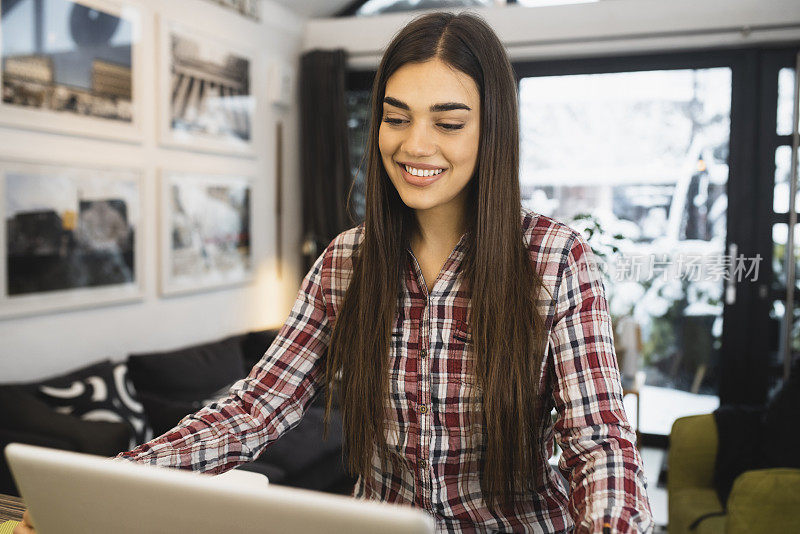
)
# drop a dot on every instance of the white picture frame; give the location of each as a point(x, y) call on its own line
point(206, 96)
point(205, 225)
point(89, 90)
point(70, 237)
point(250, 9)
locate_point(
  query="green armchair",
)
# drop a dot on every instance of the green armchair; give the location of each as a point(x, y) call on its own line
point(761, 501)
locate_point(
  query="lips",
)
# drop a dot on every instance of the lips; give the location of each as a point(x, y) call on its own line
point(419, 181)
point(421, 166)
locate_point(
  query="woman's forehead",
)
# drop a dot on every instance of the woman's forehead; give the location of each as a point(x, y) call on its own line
point(422, 85)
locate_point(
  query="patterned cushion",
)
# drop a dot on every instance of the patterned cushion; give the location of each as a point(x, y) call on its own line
point(99, 392)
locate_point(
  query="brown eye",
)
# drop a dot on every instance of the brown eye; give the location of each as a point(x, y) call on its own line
point(393, 121)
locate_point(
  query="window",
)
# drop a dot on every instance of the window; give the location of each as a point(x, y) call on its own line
point(637, 160)
point(358, 111)
point(780, 125)
point(679, 178)
point(379, 7)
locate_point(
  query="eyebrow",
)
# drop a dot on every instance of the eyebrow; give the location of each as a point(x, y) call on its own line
point(445, 106)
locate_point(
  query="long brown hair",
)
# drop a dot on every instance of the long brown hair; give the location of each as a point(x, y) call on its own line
point(497, 271)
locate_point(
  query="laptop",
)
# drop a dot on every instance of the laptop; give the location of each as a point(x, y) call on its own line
point(72, 493)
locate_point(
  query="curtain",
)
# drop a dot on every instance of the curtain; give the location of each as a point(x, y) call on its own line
point(325, 155)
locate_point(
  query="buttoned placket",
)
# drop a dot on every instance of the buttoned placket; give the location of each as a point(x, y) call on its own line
point(424, 415)
point(424, 471)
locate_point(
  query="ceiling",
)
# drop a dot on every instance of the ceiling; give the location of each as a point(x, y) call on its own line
point(329, 8)
point(315, 8)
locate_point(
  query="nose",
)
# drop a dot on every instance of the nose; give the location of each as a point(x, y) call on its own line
point(419, 141)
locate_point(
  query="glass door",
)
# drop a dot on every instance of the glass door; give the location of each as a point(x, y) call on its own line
point(677, 168)
point(779, 155)
point(634, 153)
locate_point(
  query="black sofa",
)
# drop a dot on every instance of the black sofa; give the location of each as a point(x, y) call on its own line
point(106, 408)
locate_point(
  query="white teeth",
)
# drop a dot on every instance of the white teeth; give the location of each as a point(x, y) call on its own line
point(420, 172)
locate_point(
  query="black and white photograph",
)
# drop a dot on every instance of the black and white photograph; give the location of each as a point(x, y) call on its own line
point(250, 9)
point(207, 93)
point(439, 265)
point(71, 236)
point(205, 233)
point(69, 62)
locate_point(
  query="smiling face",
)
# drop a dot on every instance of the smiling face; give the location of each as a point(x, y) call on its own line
point(430, 126)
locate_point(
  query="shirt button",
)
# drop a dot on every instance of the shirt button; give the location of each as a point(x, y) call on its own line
point(423, 408)
point(423, 353)
point(423, 464)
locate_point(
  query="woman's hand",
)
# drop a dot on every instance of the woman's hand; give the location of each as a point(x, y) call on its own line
point(25, 527)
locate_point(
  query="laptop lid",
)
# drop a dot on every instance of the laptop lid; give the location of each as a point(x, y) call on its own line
point(72, 493)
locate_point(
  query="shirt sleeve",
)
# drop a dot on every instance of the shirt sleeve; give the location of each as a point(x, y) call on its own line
point(600, 458)
point(261, 407)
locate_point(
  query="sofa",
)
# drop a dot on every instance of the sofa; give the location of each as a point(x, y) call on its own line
point(109, 407)
point(760, 500)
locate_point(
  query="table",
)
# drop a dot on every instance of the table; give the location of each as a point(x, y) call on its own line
point(11, 508)
point(633, 386)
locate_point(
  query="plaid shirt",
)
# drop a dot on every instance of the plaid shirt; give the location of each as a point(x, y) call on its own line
point(428, 417)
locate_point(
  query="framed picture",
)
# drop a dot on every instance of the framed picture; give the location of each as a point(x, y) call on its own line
point(247, 8)
point(71, 237)
point(206, 92)
point(71, 66)
point(205, 232)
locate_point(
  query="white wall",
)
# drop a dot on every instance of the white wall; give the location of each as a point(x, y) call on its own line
point(607, 27)
point(37, 346)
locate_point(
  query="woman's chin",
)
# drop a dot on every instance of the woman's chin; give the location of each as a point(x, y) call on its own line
point(418, 202)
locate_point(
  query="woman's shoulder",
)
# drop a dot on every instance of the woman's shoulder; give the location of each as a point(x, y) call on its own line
point(344, 244)
point(337, 258)
point(552, 246)
point(547, 239)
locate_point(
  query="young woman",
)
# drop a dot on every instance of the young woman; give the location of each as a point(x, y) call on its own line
point(451, 322)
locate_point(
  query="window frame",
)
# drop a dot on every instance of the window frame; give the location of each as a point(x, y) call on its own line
point(745, 371)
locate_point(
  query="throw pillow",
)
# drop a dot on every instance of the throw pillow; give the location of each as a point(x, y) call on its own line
point(164, 413)
point(98, 392)
point(255, 344)
point(188, 374)
point(29, 417)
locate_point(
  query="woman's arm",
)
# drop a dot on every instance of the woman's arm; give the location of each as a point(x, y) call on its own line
point(261, 407)
point(599, 453)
